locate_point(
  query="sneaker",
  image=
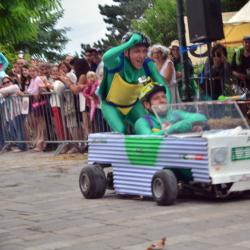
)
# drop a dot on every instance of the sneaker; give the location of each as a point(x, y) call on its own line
point(72, 151)
point(16, 150)
point(36, 149)
point(64, 149)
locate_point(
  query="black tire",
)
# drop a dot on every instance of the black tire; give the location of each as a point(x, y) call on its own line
point(92, 182)
point(164, 187)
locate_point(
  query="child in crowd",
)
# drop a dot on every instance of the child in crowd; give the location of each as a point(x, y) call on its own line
point(89, 92)
point(38, 105)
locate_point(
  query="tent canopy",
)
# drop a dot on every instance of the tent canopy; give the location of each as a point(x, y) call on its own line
point(242, 16)
point(237, 27)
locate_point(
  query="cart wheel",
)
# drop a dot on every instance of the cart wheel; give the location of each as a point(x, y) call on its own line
point(92, 182)
point(164, 187)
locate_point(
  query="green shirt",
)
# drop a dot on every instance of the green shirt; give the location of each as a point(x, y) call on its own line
point(181, 122)
point(114, 59)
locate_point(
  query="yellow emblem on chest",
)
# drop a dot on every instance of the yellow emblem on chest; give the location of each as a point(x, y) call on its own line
point(123, 94)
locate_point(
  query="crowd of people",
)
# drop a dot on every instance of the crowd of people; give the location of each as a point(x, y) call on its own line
point(53, 102)
point(68, 97)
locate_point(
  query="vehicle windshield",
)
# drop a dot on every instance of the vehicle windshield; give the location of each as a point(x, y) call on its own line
point(219, 115)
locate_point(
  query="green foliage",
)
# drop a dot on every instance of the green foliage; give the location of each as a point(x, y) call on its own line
point(84, 47)
point(230, 52)
point(49, 42)
point(29, 25)
point(156, 18)
point(18, 19)
point(9, 53)
point(159, 22)
point(118, 19)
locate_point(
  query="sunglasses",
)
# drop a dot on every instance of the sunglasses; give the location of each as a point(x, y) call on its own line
point(6, 82)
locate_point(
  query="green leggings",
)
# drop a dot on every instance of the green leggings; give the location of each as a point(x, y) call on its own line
point(117, 121)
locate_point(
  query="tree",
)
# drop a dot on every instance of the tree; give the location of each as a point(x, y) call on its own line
point(159, 22)
point(49, 42)
point(118, 19)
point(18, 19)
point(156, 18)
point(9, 53)
point(29, 25)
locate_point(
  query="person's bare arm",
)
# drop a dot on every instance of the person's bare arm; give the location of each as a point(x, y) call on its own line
point(75, 88)
point(168, 72)
point(10, 90)
point(239, 75)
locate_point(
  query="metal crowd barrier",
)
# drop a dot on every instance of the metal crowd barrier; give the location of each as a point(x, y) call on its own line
point(49, 119)
point(209, 89)
point(59, 120)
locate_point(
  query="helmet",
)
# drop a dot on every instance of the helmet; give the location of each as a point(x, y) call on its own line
point(145, 40)
point(150, 89)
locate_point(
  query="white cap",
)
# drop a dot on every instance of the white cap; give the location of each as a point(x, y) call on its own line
point(174, 43)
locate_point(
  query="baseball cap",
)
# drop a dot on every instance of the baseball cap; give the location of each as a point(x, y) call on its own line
point(174, 43)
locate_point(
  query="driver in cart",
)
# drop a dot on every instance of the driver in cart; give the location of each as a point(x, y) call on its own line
point(167, 121)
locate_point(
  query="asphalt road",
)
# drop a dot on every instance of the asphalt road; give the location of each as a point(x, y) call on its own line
point(41, 208)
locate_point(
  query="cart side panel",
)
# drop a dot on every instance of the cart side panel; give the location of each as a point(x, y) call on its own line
point(135, 159)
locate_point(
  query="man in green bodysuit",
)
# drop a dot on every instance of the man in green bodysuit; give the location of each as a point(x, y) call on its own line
point(125, 68)
point(177, 121)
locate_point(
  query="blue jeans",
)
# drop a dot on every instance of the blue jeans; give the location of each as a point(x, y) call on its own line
point(1, 127)
point(1, 135)
point(16, 131)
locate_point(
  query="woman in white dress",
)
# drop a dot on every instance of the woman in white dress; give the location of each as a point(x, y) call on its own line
point(160, 55)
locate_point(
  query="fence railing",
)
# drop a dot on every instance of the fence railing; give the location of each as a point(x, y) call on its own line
point(204, 88)
point(35, 121)
point(51, 119)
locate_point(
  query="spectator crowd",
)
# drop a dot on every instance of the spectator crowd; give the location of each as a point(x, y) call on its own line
point(43, 104)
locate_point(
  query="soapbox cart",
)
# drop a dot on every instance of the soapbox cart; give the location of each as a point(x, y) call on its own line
point(214, 161)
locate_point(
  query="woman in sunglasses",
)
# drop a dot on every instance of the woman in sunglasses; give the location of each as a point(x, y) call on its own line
point(7, 87)
point(11, 113)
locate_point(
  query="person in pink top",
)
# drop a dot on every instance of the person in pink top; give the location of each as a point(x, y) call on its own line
point(38, 105)
point(89, 91)
point(35, 83)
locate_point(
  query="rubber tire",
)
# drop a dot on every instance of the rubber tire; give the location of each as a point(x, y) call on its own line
point(164, 187)
point(92, 182)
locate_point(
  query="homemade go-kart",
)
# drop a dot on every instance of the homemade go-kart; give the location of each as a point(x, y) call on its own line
point(214, 161)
